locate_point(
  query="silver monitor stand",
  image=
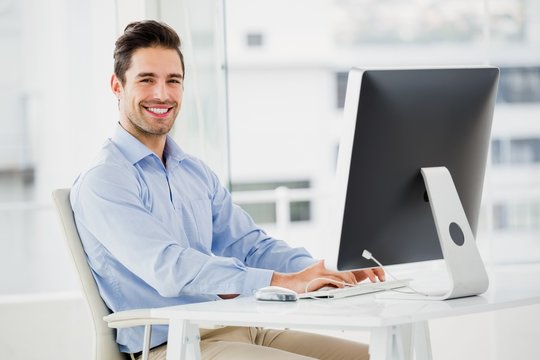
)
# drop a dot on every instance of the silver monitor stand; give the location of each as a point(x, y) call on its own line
point(466, 271)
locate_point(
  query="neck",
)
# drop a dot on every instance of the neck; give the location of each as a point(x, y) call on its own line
point(156, 143)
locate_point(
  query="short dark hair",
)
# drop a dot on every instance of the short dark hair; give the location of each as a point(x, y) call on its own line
point(143, 34)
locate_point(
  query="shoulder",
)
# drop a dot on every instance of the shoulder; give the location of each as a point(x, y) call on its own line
point(110, 161)
point(108, 172)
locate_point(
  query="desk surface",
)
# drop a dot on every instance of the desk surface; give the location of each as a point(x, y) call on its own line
point(510, 286)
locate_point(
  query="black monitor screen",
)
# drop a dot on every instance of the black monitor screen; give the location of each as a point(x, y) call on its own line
point(403, 120)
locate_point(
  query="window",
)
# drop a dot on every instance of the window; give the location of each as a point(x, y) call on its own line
point(405, 22)
point(517, 216)
point(524, 151)
point(519, 85)
point(261, 200)
point(515, 151)
point(341, 88)
point(254, 39)
point(496, 152)
point(286, 107)
point(16, 185)
point(261, 212)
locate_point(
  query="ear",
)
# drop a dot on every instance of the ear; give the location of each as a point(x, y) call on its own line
point(116, 85)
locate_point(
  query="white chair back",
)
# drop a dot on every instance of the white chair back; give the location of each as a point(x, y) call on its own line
point(103, 345)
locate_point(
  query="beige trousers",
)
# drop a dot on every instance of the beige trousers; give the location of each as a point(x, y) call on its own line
point(245, 343)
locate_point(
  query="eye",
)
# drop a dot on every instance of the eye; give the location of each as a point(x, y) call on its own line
point(175, 81)
point(146, 80)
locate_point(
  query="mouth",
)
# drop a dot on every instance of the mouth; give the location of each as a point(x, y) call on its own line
point(158, 111)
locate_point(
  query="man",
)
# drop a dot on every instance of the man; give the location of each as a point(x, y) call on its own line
point(160, 230)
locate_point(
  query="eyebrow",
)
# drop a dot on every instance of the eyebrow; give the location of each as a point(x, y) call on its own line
point(151, 74)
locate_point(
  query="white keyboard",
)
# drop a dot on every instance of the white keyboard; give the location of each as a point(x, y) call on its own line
point(359, 289)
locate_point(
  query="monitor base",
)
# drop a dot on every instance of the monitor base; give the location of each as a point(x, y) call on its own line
point(466, 271)
point(399, 295)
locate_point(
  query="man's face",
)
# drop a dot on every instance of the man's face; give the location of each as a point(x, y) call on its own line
point(151, 96)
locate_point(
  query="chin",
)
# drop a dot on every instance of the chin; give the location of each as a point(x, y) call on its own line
point(159, 130)
point(159, 127)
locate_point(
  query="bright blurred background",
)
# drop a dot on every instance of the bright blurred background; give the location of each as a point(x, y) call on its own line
point(265, 88)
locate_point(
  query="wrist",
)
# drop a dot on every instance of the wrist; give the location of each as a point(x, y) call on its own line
point(279, 279)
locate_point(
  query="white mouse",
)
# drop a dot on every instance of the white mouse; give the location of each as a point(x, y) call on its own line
point(276, 293)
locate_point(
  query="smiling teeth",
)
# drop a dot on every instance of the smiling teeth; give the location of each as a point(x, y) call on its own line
point(158, 110)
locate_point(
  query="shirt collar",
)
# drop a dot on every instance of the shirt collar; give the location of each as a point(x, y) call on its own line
point(135, 151)
point(173, 152)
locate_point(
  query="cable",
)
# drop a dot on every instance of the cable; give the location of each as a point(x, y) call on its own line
point(315, 297)
point(368, 256)
point(346, 284)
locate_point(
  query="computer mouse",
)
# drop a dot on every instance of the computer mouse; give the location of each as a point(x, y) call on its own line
point(275, 293)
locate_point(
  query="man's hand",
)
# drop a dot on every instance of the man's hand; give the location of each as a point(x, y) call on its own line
point(372, 274)
point(316, 276)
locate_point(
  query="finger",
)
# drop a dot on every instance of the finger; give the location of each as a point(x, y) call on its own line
point(337, 281)
point(379, 272)
point(351, 278)
point(360, 275)
point(315, 285)
point(345, 276)
point(371, 275)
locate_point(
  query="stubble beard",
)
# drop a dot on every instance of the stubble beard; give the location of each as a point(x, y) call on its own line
point(144, 127)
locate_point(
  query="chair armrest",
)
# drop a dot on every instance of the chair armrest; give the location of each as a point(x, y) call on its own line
point(131, 318)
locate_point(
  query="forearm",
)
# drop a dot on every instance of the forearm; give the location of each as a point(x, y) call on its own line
point(256, 249)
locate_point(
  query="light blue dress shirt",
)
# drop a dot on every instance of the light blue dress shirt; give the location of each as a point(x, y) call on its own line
point(160, 235)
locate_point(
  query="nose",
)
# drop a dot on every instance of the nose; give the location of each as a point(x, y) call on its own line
point(160, 91)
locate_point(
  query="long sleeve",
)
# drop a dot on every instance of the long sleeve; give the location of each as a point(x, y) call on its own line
point(109, 207)
point(167, 234)
point(236, 235)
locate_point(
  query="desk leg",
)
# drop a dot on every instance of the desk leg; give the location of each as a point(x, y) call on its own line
point(183, 342)
point(422, 341)
point(401, 342)
point(391, 343)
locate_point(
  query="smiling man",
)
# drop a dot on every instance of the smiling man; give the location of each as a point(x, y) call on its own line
point(149, 87)
point(159, 229)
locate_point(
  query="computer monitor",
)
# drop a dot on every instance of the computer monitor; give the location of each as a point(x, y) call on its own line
point(397, 122)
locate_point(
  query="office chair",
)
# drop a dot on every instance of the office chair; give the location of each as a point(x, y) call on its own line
point(103, 322)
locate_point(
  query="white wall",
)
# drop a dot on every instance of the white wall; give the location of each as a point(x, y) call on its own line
point(62, 67)
point(67, 55)
point(12, 123)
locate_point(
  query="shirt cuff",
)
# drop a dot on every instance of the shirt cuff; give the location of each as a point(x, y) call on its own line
point(256, 279)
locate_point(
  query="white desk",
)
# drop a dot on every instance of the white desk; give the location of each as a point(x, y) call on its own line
point(398, 327)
